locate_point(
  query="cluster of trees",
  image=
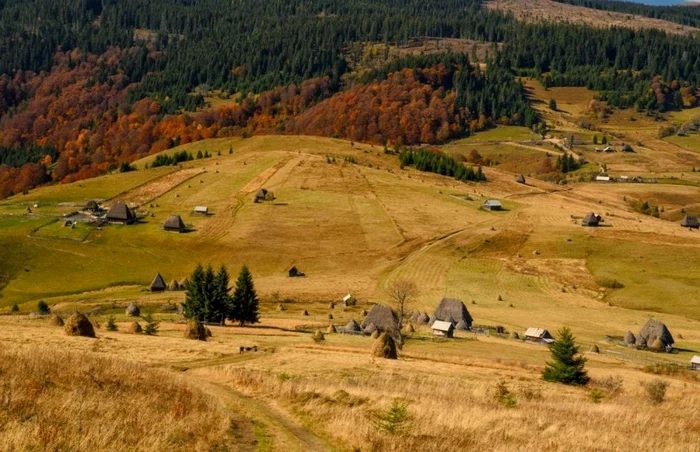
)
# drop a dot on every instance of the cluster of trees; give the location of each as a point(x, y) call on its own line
point(440, 163)
point(567, 163)
point(645, 208)
point(208, 297)
point(167, 160)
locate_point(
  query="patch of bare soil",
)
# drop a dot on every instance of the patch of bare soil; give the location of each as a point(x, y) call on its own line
point(547, 10)
point(158, 187)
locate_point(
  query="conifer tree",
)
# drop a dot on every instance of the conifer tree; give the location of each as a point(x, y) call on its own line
point(245, 304)
point(194, 295)
point(567, 366)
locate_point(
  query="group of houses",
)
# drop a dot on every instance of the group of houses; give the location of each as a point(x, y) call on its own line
point(121, 213)
point(158, 284)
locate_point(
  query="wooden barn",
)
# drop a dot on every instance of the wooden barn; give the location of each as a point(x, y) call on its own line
point(121, 214)
point(492, 204)
point(174, 224)
point(443, 329)
point(695, 362)
point(538, 336)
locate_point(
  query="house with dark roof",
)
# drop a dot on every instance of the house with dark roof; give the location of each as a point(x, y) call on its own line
point(174, 224)
point(120, 213)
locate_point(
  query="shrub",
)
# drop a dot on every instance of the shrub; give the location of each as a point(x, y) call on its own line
point(15, 307)
point(597, 395)
point(43, 308)
point(395, 420)
point(111, 324)
point(656, 390)
point(151, 327)
point(531, 392)
point(662, 369)
point(503, 396)
point(612, 385)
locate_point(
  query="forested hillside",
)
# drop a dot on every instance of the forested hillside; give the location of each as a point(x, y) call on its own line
point(684, 15)
point(88, 84)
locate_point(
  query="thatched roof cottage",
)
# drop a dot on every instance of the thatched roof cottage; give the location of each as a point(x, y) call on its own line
point(158, 284)
point(454, 311)
point(120, 213)
point(383, 317)
point(174, 224)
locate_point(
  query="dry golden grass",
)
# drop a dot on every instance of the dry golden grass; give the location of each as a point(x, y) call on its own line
point(59, 400)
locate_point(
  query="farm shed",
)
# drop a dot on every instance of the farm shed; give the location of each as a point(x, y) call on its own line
point(120, 213)
point(295, 273)
point(158, 284)
point(443, 329)
point(174, 224)
point(492, 204)
point(454, 311)
point(690, 221)
point(591, 220)
point(382, 317)
point(695, 362)
point(538, 336)
point(201, 210)
point(603, 179)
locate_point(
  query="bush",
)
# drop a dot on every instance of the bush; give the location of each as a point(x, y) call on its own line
point(503, 396)
point(610, 283)
point(111, 324)
point(656, 390)
point(43, 308)
point(395, 420)
point(662, 369)
point(612, 385)
point(15, 307)
point(597, 395)
point(151, 328)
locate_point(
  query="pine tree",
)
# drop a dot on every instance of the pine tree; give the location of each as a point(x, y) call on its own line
point(220, 301)
point(43, 308)
point(552, 104)
point(244, 308)
point(15, 307)
point(194, 296)
point(567, 366)
point(111, 324)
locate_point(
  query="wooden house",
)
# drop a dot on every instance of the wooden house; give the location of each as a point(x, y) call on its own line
point(492, 204)
point(695, 362)
point(443, 329)
point(538, 336)
point(201, 210)
point(121, 214)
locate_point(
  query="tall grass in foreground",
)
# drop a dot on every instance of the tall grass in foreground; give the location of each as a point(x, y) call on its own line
point(53, 400)
point(446, 413)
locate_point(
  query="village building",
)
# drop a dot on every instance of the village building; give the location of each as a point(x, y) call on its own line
point(454, 311)
point(120, 213)
point(174, 224)
point(383, 318)
point(158, 284)
point(492, 204)
point(201, 210)
point(695, 362)
point(443, 329)
point(690, 221)
point(591, 220)
point(538, 336)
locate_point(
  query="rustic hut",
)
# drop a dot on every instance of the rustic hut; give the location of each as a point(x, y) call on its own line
point(201, 210)
point(384, 347)
point(121, 214)
point(56, 320)
point(591, 220)
point(629, 338)
point(383, 317)
point(295, 273)
point(453, 311)
point(690, 221)
point(520, 179)
point(352, 327)
point(655, 329)
point(132, 310)
point(443, 329)
point(538, 336)
point(158, 284)
point(492, 204)
point(174, 224)
point(92, 206)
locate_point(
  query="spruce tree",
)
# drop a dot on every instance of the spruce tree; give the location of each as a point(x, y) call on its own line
point(220, 301)
point(244, 308)
point(567, 366)
point(194, 295)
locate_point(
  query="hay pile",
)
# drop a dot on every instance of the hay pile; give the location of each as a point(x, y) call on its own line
point(331, 329)
point(280, 308)
point(133, 311)
point(353, 327)
point(653, 330)
point(305, 313)
point(595, 349)
point(384, 347)
point(318, 336)
point(370, 329)
point(514, 336)
point(79, 325)
point(330, 316)
point(453, 311)
point(56, 320)
point(629, 338)
point(135, 328)
point(375, 334)
point(208, 331)
point(422, 319)
point(195, 330)
point(382, 317)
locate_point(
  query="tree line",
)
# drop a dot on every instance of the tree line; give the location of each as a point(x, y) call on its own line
point(440, 163)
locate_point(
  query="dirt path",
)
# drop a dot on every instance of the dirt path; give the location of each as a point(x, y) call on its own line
point(265, 426)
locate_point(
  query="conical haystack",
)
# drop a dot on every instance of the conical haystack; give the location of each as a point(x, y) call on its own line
point(374, 335)
point(330, 316)
point(208, 331)
point(280, 307)
point(318, 336)
point(384, 347)
point(353, 327)
point(79, 325)
point(331, 329)
point(657, 345)
point(422, 319)
point(369, 329)
point(514, 336)
point(655, 329)
point(595, 349)
point(195, 330)
point(135, 328)
point(174, 285)
point(629, 338)
point(132, 310)
point(56, 320)
point(305, 313)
